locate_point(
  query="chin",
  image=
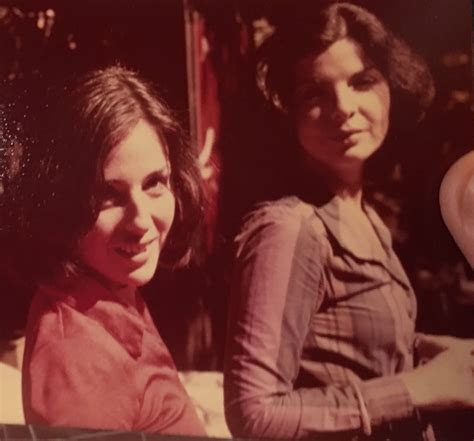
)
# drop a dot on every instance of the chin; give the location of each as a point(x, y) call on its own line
point(144, 273)
point(351, 159)
point(141, 276)
point(360, 153)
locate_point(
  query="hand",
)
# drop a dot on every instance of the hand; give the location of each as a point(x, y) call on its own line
point(428, 345)
point(444, 382)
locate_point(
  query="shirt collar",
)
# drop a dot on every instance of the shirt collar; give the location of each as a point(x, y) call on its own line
point(88, 296)
point(338, 222)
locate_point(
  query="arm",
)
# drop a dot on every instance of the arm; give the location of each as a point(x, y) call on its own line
point(278, 284)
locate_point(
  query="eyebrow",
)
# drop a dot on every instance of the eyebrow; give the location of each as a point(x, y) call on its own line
point(368, 66)
point(163, 172)
point(315, 81)
point(368, 69)
point(308, 82)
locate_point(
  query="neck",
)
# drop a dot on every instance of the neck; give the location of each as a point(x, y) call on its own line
point(344, 182)
point(126, 294)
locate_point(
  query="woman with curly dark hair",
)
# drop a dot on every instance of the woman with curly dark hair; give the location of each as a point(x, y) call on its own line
point(321, 336)
point(109, 189)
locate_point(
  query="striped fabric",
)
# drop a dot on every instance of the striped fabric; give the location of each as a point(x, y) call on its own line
point(313, 311)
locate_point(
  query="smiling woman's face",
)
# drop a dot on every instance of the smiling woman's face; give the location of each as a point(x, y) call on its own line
point(341, 106)
point(136, 212)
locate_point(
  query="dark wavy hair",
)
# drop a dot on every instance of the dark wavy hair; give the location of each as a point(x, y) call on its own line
point(314, 29)
point(310, 29)
point(51, 203)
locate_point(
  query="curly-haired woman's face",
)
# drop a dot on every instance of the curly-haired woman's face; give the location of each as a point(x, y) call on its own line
point(136, 213)
point(341, 106)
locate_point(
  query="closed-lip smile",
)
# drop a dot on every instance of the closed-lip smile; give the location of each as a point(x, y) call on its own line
point(341, 135)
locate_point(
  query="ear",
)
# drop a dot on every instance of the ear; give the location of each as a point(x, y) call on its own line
point(456, 200)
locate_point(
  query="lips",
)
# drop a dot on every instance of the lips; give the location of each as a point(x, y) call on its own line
point(343, 135)
point(132, 250)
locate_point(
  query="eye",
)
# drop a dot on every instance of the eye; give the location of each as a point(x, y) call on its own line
point(110, 196)
point(365, 80)
point(157, 183)
point(310, 94)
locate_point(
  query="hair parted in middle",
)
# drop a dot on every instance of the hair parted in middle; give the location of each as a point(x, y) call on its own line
point(315, 28)
point(54, 195)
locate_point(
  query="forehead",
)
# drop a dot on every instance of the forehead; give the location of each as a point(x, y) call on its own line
point(140, 152)
point(342, 58)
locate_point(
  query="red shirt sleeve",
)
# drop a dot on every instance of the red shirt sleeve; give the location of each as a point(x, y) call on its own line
point(92, 363)
point(73, 382)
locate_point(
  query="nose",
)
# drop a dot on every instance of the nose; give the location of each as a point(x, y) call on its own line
point(344, 105)
point(139, 218)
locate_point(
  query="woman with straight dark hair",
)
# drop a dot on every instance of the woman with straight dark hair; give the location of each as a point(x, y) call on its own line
point(109, 189)
point(321, 335)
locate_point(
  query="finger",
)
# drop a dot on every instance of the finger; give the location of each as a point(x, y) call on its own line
point(445, 341)
point(468, 345)
point(427, 346)
point(436, 340)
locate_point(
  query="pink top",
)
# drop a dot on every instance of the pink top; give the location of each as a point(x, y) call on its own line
point(314, 319)
point(94, 362)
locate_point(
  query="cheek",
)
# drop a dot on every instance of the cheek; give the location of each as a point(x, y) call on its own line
point(308, 117)
point(96, 241)
point(107, 224)
point(164, 212)
point(308, 125)
point(378, 109)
